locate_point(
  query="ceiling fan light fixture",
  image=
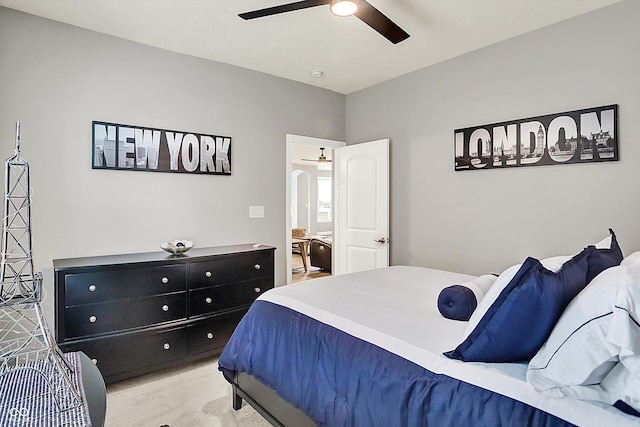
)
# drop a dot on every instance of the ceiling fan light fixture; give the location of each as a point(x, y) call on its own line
point(322, 158)
point(344, 7)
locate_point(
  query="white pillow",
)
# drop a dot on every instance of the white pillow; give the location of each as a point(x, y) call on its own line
point(593, 352)
point(604, 243)
point(553, 264)
point(634, 258)
point(480, 285)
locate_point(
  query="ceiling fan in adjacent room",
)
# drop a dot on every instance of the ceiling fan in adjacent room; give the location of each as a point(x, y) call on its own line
point(321, 159)
point(362, 9)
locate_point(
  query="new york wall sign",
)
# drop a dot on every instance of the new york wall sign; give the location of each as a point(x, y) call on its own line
point(126, 147)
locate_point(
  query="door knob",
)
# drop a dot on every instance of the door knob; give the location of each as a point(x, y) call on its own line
point(381, 240)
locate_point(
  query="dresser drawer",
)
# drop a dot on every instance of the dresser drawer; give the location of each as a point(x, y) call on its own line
point(213, 334)
point(94, 319)
point(110, 285)
point(230, 268)
point(124, 353)
point(225, 297)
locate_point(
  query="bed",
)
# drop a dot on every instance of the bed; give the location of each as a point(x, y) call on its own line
point(366, 349)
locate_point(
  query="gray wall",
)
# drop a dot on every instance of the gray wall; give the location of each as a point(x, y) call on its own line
point(56, 79)
point(483, 221)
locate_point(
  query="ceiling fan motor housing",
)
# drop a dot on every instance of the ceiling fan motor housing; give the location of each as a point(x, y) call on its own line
point(361, 9)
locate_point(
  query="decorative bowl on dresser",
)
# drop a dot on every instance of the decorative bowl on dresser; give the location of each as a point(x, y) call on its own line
point(137, 313)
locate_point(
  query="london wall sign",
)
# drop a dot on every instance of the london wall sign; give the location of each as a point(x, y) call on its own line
point(126, 147)
point(580, 136)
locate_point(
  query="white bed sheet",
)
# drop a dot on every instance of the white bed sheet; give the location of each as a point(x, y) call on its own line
point(395, 308)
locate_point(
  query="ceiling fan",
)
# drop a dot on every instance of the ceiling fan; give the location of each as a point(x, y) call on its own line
point(360, 8)
point(321, 159)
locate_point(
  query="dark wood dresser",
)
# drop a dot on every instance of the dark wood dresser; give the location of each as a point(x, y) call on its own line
point(137, 313)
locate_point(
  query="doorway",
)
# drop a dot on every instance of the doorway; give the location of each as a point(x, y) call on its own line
point(303, 207)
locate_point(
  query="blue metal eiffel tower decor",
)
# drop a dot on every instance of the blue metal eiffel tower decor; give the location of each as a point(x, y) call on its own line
point(25, 339)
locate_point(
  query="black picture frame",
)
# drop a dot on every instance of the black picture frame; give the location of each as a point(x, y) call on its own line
point(148, 149)
point(579, 136)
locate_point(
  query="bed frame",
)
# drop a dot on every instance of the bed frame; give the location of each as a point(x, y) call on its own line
point(267, 403)
point(95, 391)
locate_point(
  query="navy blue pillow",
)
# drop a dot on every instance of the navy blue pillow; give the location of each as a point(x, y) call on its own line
point(626, 408)
point(457, 302)
point(602, 259)
point(522, 317)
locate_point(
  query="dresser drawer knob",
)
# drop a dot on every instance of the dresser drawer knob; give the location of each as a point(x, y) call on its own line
point(165, 280)
point(93, 319)
point(208, 300)
point(92, 288)
point(210, 335)
point(257, 290)
point(257, 266)
point(166, 346)
point(95, 361)
point(208, 274)
point(165, 307)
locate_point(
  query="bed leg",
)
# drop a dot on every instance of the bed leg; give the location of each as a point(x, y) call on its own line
point(237, 400)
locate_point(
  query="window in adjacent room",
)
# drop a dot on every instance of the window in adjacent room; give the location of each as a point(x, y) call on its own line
point(324, 199)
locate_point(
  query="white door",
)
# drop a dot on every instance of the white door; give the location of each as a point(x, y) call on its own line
point(361, 238)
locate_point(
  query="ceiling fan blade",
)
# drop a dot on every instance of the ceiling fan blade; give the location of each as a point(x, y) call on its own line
point(317, 160)
point(379, 22)
point(283, 8)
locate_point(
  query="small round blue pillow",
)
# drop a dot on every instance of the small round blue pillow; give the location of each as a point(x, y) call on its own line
point(457, 302)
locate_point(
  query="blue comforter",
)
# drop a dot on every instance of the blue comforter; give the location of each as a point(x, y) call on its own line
point(339, 380)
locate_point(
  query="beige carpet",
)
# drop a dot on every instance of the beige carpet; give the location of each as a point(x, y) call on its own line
point(195, 395)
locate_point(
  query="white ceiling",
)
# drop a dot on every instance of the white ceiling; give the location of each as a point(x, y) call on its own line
point(351, 55)
point(310, 152)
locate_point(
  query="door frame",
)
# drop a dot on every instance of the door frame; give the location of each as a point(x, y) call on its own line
point(306, 140)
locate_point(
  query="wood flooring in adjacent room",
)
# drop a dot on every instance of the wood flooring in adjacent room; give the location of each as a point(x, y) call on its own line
point(298, 274)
